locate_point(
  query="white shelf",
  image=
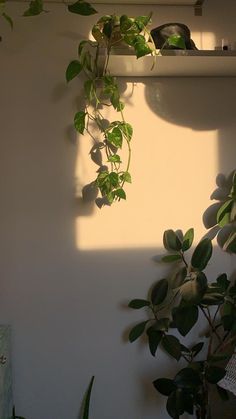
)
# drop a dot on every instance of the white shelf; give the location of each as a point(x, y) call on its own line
point(173, 63)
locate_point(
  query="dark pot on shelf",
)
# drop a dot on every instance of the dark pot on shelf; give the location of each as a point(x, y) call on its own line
point(161, 34)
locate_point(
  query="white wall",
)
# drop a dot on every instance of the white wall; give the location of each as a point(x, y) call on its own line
point(68, 269)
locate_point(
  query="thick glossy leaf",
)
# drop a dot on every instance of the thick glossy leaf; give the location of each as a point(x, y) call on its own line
point(222, 393)
point(126, 177)
point(139, 303)
point(223, 282)
point(175, 404)
point(143, 21)
point(176, 41)
point(137, 331)
point(79, 121)
point(187, 378)
point(115, 158)
point(171, 241)
point(212, 298)
point(230, 244)
point(197, 348)
point(178, 278)
point(193, 290)
point(73, 70)
point(185, 318)
point(172, 346)
point(35, 8)
point(154, 338)
point(115, 137)
point(223, 214)
point(165, 386)
point(82, 8)
point(171, 258)
point(127, 130)
point(159, 291)
point(214, 374)
point(120, 193)
point(85, 413)
point(142, 49)
point(114, 179)
point(188, 240)
point(125, 23)
point(202, 254)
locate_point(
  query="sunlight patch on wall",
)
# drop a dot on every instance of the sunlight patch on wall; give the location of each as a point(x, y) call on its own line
point(173, 171)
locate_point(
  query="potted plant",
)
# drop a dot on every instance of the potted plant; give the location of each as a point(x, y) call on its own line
point(181, 301)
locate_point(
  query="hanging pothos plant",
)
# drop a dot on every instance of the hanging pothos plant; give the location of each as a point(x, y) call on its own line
point(101, 90)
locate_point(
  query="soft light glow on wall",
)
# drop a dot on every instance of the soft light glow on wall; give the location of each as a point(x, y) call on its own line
point(173, 171)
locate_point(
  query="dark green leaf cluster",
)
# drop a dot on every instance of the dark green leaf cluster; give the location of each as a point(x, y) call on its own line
point(226, 216)
point(176, 302)
point(186, 391)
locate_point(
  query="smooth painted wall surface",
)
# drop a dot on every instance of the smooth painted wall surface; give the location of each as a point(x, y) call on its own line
point(69, 269)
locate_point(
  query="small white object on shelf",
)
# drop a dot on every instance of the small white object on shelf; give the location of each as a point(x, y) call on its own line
point(172, 63)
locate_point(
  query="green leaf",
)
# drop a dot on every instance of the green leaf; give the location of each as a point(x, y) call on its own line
point(175, 404)
point(215, 374)
point(89, 89)
point(143, 21)
point(178, 278)
point(85, 413)
point(223, 214)
point(185, 318)
point(159, 291)
point(126, 177)
point(138, 303)
point(172, 346)
point(187, 378)
point(115, 137)
point(141, 47)
point(125, 23)
point(154, 338)
point(35, 8)
point(230, 244)
point(120, 193)
point(137, 331)
point(114, 179)
point(197, 348)
point(188, 240)
point(127, 130)
point(8, 19)
point(193, 290)
point(176, 41)
point(223, 282)
point(222, 393)
point(202, 254)
point(79, 121)
point(165, 386)
point(171, 241)
point(73, 70)
point(115, 158)
point(171, 258)
point(82, 8)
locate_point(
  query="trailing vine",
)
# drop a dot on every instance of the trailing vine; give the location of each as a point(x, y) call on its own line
point(102, 90)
